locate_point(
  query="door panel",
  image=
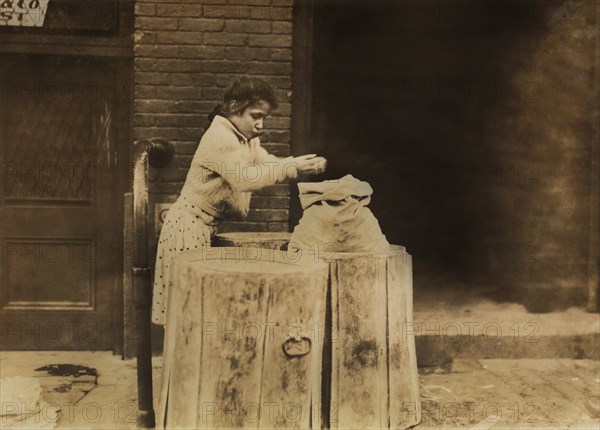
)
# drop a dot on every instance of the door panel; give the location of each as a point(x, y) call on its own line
point(58, 202)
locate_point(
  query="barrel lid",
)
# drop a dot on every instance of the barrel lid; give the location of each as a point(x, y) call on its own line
point(250, 260)
point(253, 236)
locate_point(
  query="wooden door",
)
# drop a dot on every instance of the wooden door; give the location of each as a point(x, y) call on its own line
point(58, 202)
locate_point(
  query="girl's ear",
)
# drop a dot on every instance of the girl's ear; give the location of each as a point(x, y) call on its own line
point(234, 106)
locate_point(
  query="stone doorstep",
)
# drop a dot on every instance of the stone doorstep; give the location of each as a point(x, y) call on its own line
point(490, 330)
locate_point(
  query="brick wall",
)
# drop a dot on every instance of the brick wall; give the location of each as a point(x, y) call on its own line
point(187, 52)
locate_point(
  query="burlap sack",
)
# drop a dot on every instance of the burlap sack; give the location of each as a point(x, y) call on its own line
point(336, 218)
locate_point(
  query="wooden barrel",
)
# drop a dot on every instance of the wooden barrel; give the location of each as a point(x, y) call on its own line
point(271, 240)
point(244, 340)
point(374, 380)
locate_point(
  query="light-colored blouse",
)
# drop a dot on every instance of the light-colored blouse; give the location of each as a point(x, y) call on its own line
point(227, 167)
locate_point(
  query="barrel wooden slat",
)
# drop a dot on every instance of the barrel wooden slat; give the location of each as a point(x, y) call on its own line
point(359, 349)
point(224, 366)
point(185, 373)
point(404, 382)
point(232, 359)
point(292, 393)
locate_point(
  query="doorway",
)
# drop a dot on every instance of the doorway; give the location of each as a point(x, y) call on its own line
point(456, 113)
point(59, 233)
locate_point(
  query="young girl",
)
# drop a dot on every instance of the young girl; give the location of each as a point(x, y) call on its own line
point(228, 165)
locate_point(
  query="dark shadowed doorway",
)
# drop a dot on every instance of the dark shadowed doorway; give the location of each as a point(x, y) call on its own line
point(472, 122)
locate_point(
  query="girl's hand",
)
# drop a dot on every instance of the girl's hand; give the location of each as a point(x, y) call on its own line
point(310, 164)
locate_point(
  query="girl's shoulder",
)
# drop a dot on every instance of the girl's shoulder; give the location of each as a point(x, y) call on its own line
point(218, 137)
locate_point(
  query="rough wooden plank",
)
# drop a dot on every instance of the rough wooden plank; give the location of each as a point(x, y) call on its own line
point(359, 358)
point(405, 402)
point(232, 360)
point(164, 419)
point(185, 371)
point(292, 383)
point(334, 401)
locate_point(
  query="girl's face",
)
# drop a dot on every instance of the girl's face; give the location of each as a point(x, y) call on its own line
point(250, 121)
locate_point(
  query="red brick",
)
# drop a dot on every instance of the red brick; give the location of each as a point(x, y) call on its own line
point(179, 120)
point(213, 93)
point(172, 106)
point(245, 11)
point(145, 92)
point(191, 65)
point(178, 93)
point(204, 52)
point(242, 226)
point(229, 39)
point(201, 24)
point(188, 148)
point(245, 53)
point(145, 36)
point(249, 2)
point(144, 64)
point(224, 11)
point(143, 120)
point(268, 68)
point(268, 215)
point(144, 9)
point(283, 27)
point(278, 123)
point(151, 106)
point(201, 79)
point(179, 9)
point(278, 136)
point(269, 202)
point(283, 109)
point(224, 67)
point(190, 106)
point(271, 13)
point(279, 81)
point(284, 54)
point(279, 226)
point(185, 161)
point(170, 133)
point(248, 26)
point(152, 78)
point(155, 51)
point(275, 190)
point(180, 37)
point(146, 23)
point(270, 40)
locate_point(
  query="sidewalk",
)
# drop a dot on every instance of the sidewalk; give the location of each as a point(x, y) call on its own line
point(481, 394)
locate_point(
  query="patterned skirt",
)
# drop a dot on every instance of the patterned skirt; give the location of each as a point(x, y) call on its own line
point(186, 227)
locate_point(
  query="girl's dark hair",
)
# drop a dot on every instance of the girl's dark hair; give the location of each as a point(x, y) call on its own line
point(245, 92)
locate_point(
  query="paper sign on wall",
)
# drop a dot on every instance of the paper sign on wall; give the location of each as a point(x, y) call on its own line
point(23, 13)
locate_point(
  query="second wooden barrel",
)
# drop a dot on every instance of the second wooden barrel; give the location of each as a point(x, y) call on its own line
point(374, 380)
